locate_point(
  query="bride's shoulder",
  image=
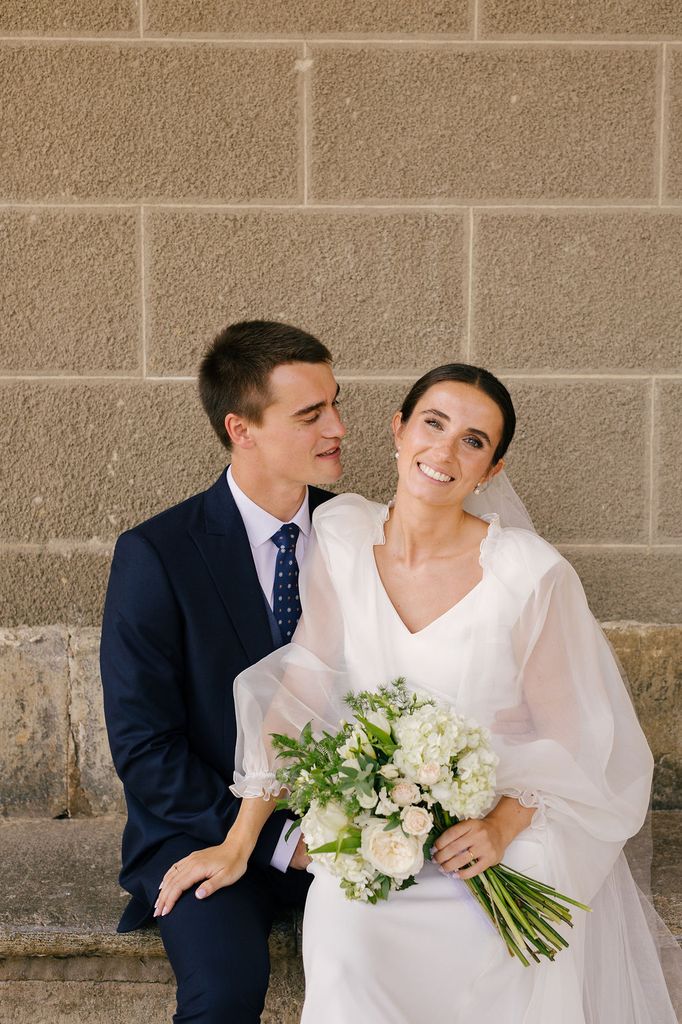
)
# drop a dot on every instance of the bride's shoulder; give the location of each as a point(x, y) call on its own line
point(349, 517)
point(522, 553)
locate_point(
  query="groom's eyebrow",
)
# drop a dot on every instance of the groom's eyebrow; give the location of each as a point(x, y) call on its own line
point(469, 430)
point(313, 408)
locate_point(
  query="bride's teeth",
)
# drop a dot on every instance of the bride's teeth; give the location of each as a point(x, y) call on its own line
point(427, 471)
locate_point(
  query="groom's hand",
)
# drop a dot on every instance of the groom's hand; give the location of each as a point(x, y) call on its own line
point(300, 859)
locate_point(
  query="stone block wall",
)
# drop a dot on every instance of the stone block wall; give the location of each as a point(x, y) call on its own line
point(496, 181)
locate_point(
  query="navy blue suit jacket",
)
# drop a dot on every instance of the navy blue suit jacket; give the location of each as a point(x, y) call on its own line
point(184, 615)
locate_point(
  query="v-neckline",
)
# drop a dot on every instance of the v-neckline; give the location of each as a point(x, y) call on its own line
point(380, 583)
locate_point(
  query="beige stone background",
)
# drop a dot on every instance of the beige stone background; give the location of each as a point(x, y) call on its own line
point(496, 181)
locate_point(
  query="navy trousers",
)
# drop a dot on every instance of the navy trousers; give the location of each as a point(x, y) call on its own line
point(218, 947)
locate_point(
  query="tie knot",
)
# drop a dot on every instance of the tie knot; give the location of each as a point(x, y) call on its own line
point(286, 537)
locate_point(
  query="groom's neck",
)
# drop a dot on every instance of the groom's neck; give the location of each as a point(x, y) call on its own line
point(280, 497)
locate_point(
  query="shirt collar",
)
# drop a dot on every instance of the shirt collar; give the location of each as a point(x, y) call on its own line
point(259, 524)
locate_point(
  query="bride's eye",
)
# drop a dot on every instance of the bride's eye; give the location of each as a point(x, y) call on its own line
point(473, 442)
point(434, 423)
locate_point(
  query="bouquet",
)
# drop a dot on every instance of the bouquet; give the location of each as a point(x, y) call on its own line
point(372, 798)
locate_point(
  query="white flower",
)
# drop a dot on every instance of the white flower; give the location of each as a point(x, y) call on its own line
point(385, 805)
point(367, 801)
point(392, 853)
point(429, 773)
point(389, 771)
point(416, 821)
point(321, 825)
point(376, 718)
point(356, 743)
point(405, 792)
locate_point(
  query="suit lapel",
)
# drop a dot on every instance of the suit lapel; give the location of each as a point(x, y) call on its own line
point(224, 546)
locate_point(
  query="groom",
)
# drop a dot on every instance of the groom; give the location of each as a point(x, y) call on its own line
point(196, 595)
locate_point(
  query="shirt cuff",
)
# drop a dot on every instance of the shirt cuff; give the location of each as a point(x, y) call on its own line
point(284, 851)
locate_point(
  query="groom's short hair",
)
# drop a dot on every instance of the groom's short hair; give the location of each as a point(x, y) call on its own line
point(235, 372)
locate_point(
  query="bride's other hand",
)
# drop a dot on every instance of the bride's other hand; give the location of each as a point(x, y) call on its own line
point(301, 859)
point(478, 843)
point(515, 722)
point(469, 847)
point(216, 867)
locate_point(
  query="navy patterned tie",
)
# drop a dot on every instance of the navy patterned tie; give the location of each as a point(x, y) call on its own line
point(286, 601)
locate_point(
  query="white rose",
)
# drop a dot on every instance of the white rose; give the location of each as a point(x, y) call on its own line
point(367, 801)
point(416, 821)
point(389, 771)
point(405, 792)
point(429, 773)
point(392, 853)
point(321, 825)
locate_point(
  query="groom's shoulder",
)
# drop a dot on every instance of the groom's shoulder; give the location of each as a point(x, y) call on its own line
point(169, 525)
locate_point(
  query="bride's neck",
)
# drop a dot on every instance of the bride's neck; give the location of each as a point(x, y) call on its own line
point(415, 531)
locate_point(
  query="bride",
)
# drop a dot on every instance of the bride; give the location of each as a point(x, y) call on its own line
point(452, 589)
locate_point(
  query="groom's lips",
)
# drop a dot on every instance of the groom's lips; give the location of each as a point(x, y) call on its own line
point(331, 453)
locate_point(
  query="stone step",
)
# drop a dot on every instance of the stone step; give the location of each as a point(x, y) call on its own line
point(61, 959)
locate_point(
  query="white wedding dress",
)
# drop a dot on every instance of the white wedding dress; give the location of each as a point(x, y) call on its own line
point(524, 633)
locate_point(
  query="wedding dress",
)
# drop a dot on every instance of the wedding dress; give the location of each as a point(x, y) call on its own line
point(523, 633)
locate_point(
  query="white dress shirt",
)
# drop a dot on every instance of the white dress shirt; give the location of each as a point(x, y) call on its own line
point(260, 526)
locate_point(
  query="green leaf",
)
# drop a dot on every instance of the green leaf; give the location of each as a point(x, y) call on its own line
point(348, 845)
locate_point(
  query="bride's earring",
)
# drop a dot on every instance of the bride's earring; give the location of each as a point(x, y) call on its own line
point(478, 489)
point(397, 454)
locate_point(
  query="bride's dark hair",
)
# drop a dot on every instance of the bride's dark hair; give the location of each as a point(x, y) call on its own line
point(463, 373)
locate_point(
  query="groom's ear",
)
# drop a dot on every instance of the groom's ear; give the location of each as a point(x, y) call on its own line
point(238, 430)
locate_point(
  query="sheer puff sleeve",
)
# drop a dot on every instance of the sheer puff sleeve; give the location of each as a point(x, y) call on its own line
point(586, 763)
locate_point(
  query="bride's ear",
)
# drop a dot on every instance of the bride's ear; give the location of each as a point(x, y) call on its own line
point(497, 468)
point(397, 427)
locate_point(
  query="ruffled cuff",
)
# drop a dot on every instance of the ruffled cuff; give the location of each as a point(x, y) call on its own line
point(530, 798)
point(264, 785)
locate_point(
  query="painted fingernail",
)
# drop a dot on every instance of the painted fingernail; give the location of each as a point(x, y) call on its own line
point(161, 885)
point(164, 911)
point(201, 893)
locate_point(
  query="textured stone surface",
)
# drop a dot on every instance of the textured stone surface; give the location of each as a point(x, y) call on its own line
point(88, 460)
point(576, 291)
point(33, 721)
point(630, 583)
point(672, 182)
point(570, 18)
point(66, 17)
point(93, 785)
point(47, 586)
point(569, 463)
point(382, 291)
point(310, 18)
point(125, 122)
point(70, 292)
point(668, 483)
point(528, 123)
point(652, 659)
point(368, 450)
